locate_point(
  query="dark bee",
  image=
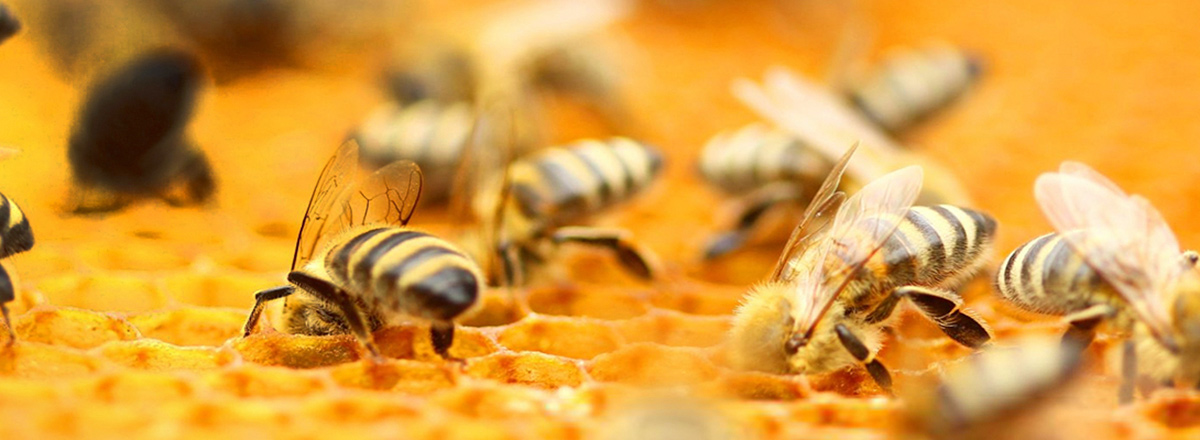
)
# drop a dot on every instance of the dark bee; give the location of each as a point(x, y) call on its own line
point(130, 140)
point(358, 266)
point(9, 25)
point(15, 237)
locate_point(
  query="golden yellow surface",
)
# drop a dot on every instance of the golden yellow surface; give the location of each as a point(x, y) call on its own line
point(129, 323)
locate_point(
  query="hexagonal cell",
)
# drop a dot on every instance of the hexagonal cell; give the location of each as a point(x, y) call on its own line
point(578, 338)
point(676, 329)
point(224, 414)
point(653, 365)
point(359, 406)
point(297, 351)
point(134, 387)
point(131, 254)
point(759, 386)
point(43, 261)
point(527, 368)
point(496, 307)
point(411, 376)
point(191, 326)
point(250, 380)
point(228, 289)
point(150, 354)
point(701, 299)
point(40, 361)
point(75, 328)
point(591, 301)
point(852, 381)
point(412, 342)
point(489, 400)
point(120, 293)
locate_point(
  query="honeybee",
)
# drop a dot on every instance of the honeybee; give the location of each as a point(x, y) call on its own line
point(357, 266)
point(767, 167)
point(839, 279)
point(16, 236)
point(912, 83)
point(1112, 259)
point(130, 140)
point(9, 25)
point(993, 388)
point(545, 193)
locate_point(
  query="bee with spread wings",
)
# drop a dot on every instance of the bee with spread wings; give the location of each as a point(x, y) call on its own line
point(848, 264)
point(1112, 258)
point(357, 266)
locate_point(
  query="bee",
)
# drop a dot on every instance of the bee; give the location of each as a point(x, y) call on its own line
point(130, 139)
point(432, 134)
point(770, 166)
point(16, 236)
point(545, 193)
point(357, 266)
point(1114, 259)
point(838, 280)
point(993, 388)
point(912, 83)
point(9, 25)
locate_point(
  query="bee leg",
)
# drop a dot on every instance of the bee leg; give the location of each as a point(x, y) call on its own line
point(7, 295)
point(945, 310)
point(756, 204)
point(514, 270)
point(441, 334)
point(856, 348)
point(199, 184)
point(1083, 325)
point(345, 304)
point(260, 301)
point(637, 261)
point(1128, 372)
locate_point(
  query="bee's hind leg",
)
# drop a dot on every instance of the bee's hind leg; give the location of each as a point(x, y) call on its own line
point(1083, 325)
point(945, 310)
point(755, 206)
point(857, 349)
point(640, 262)
point(345, 304)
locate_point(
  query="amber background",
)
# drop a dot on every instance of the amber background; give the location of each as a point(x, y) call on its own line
point(1114, 84)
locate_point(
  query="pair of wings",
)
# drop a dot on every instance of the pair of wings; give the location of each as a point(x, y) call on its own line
point(1122, 237)
point(837, 236)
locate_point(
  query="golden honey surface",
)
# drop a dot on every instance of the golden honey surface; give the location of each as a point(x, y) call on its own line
point(129, 324)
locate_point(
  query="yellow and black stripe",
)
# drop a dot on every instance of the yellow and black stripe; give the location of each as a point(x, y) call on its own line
point(1045, 275)
point(400, 270)
point(756, 155)
point(913, 83)
point(564, 183)
point(15, 234)
point(430, 133)
point(932, 246)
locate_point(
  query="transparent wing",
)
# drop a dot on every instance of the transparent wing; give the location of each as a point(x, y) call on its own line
point(1122, 237)
point(861, 227)
point(827, 200)
point(343, 198)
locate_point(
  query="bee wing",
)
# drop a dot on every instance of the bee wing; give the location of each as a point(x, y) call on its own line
point(827, 200)
point(343, 198)
point(1122, 237)
point(861, 227)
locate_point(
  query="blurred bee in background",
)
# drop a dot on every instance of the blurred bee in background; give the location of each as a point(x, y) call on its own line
point(1112, 259)
point(541, 195)
point(9, 25)
point(839, 279)
point(358, 266)
point(913, 83)
point(16, 236)
point(782, 165)
point(994, 389)
point(130, 140)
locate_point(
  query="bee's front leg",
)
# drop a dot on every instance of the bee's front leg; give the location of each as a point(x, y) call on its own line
point(260, 301)
point(859, 350)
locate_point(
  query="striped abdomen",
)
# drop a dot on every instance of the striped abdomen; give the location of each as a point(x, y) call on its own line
point(939, 246)
point(1047, 276)
point(756, 155)
point(912, 84)
point(401, 270)
point(432, 134)
point(15, 234)
point(559, 184)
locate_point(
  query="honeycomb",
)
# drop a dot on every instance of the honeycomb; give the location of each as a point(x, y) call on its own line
point(129, 324)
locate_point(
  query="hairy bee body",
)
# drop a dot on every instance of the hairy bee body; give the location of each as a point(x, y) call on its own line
point(431, 133)
point(937, 247)
point(912, 84)
point(560, 185)
point(392, 272)
point(1046, 276)
point(756, 155)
